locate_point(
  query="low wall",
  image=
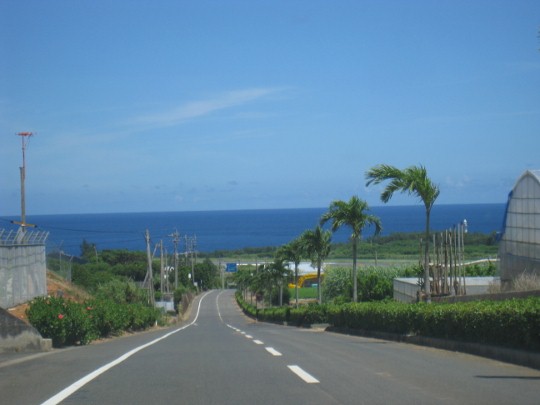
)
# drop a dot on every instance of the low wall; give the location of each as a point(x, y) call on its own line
point(406, 289)
point(17, 336)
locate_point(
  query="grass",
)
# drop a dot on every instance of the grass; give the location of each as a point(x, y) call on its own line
point(304, 293)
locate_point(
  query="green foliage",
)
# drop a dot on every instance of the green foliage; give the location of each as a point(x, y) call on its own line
point(246, 307)
point(337, 283)
point(247, 252)
point(481, 270)
point(90, 275)
point(67, 322)
point(121, 292)
point(374, 283)
point(207, 275)
point(88, 251)
point(406, 245)
point(274, 297)
point(98, 268)
point(182, 297)
point(304, 293)
point(512, 323)
point(109, 318)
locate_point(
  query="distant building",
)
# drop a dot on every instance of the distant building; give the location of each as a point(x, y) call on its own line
point(519, 248)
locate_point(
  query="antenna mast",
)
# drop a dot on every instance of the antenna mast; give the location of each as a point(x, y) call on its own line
point(25, 138)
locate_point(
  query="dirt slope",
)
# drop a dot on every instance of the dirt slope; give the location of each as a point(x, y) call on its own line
point(56, 286)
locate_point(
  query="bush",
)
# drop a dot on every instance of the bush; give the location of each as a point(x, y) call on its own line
point(337, 283)
point(109, 317)
point(274, 298)
point(513, 323)
point(65, 322)
point(121, 292)
point(376, 283)
point(69, 323)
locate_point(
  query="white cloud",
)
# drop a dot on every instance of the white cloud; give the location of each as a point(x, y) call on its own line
point(199, 108)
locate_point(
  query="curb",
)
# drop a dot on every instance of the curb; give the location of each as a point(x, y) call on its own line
point(507, 355)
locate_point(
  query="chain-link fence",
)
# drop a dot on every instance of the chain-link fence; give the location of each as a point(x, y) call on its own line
point(23, 273)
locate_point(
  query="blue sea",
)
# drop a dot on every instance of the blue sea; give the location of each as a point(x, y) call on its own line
point(228, 230)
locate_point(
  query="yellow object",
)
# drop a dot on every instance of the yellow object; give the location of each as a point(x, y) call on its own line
point(307, 280)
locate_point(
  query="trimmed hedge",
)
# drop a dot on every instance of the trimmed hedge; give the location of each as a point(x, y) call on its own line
point(512, 323)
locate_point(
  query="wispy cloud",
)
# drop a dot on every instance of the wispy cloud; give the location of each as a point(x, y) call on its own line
point(199, 108)
point(108, 132)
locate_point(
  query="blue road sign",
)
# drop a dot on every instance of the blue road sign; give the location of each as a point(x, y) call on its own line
point(231, 268)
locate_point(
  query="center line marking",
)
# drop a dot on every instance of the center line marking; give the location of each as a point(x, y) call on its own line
point(258, 342)
point(273, 351)
point(249, 336)
point(303, 375)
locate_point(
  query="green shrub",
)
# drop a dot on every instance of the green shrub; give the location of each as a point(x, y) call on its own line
point(274, 298)
point(512, 323)
point(121, 292)
point(65, 322)
point(68, 323)
point(337, 283)
point(109, 317)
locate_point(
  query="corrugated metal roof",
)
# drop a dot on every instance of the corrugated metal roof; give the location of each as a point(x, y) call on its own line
point(536, 174)
point(533, 174)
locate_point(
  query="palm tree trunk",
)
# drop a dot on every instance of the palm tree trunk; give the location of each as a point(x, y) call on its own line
point(427, 285)
point(354, 269)
point(296, 282)
point(319, 294)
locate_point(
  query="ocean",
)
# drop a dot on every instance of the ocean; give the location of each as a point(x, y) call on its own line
point(228, 230)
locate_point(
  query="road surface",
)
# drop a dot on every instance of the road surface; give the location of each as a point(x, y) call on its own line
point(219, 356)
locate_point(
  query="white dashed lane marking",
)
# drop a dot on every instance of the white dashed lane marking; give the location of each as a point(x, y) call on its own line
point(273, 351)
point(303, 375)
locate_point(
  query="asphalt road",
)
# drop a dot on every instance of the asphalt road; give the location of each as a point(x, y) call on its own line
point(220, 356)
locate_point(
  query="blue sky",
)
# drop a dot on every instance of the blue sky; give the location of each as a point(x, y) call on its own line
point(210, 105)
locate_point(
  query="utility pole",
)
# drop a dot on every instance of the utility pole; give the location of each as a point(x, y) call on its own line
point(176, 239)
point(161, 267)
point(149, 274)
point(25, 138)
point(190, 247)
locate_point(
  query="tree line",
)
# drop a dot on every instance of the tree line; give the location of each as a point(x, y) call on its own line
point(354, 214)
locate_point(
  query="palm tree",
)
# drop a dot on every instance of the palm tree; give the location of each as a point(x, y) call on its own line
point(412, 180)
point(353, 214)
point(317, 245)
point(292, 252)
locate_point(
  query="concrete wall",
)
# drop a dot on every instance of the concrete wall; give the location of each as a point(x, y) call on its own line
point(17, 336)
point(406, 289)
point(23, 274)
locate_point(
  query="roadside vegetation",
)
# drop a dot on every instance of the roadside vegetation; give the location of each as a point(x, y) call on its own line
point(114, 300)
point(118, 303)
point(397, 246)
point(511, 323)
point(116, 308)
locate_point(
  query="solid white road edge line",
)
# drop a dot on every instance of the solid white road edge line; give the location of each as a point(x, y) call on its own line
point(89, 377)
point(303, 375)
